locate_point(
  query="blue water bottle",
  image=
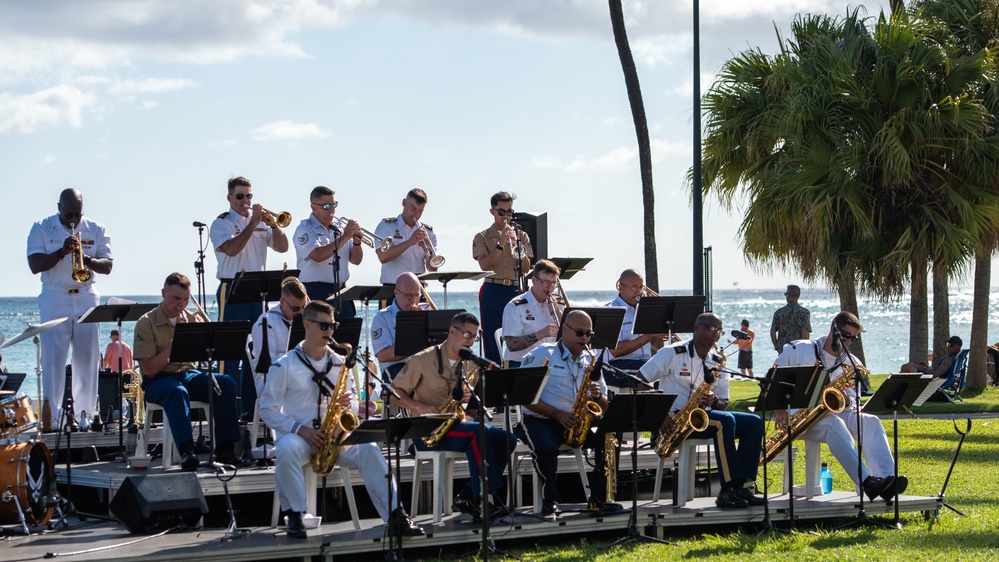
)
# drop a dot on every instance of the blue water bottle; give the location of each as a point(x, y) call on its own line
point(825, 479)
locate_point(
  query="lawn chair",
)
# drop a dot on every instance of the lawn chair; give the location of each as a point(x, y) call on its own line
point(956, 377)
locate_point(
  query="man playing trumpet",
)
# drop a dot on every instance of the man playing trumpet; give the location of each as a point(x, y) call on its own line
point(411, 240)
point(532, 318)
point(293, 405)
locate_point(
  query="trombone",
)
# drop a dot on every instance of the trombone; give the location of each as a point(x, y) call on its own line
point(647, 292)
point(80, 272)
point(367, 237)
point(426, 296)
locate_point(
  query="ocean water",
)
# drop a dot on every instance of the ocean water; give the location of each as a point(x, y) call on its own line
point(886, 326)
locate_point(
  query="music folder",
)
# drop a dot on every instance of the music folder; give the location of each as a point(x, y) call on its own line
point(416, 330)
point(204, 341)
point(661, 315)
point(776, 392)
point(518, 386)
point(901, 390)
point(607, 321)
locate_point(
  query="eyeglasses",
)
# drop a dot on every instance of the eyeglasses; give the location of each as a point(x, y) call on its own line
point(504, 212)
point(581, 333)
point(712, 329)
point(325, 326)
point(473, 337)
point(327, 206)
point(546, 283)
point(241, 196)
point(295, 309)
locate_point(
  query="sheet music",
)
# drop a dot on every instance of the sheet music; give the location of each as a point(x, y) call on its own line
point(929, 390)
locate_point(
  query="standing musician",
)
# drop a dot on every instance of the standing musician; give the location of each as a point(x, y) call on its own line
point(632, 350)
point(241, 236)
point(407, 297)
point(532, 318)
point(55, 244)
point(544, 424)
point(174, 385)
point(410, 240)
point(434, 377)
point(681, 368)
point(493, 248)
point(293, 405)
point(269, 335)
point(325, 250)
point(839, 431)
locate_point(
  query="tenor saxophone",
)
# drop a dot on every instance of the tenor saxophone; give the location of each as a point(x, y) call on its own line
point(337, 424)
point(831, 400)
point(690, 418)
point(583, 408)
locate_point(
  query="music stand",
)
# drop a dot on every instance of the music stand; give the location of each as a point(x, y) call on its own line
point(209, 342)
point(366, 294)
point(118, 313)
point(416, 330)
point(784, 388)
point(901, 390)
point(11, 382)
point(392, 432)
point(446, 277)
point(263, 286)
point(569, 266)
point(666, 315)
point(639, 412)
point(607, 323)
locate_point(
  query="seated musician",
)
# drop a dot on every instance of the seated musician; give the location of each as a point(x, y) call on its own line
point(268, 339)
point(174, 385)
point(544, 424)
point(407, 297)
point(683, 367)
point(840, 430)
point(428, 382)
point(632, 350)
point(294, 406)
point(532, 318)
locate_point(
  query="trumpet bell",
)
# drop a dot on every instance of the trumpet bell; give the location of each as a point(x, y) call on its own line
point(386, 243)
point(283, 219)
point(82, 275)
point(437, 261)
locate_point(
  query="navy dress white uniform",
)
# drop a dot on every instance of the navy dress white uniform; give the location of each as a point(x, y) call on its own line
point(680, 371)
point(62, 296)
point(545, 435)
point(839, 431)
point(525, 315)
point(383, 335)
point(290, 400)
point(278, 332)
point(414, 258)
point(318, 276)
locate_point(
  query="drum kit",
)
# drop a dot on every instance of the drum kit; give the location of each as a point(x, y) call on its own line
point(27, 474)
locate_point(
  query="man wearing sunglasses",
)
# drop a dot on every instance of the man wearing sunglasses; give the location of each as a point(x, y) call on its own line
point(543, 425)
point(407, 297)
point(683, 367)
point(293, 405)
point(326, 250)
point(268, 339)
point(240, 237)
point(532, 318)
point(409, 239)
point(493, 250)
point(839, 431)
point(433, 377)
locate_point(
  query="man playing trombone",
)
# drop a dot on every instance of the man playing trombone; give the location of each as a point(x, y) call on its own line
point(414, 245)
point(325, 250)
point(407, 297)
point(633, 350)
point(532, 318)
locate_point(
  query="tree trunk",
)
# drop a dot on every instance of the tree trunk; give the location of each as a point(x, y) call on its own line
point(846, 286)
point(918, 314)
point(977, 375)
point(644, 146)
point(941, 312)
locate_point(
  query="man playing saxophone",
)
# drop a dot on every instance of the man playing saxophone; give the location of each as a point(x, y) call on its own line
point(431, 379)
point(294, 406)
point(681, 369)
point(544, 425)
point(839, 430)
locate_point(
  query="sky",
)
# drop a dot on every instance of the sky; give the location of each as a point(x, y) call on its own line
point(148, 107)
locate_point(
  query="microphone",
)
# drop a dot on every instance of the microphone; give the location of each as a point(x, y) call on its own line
point(740, 335)
point(516, 225)
point(199, 224)
point(466, 354)
point(598, 366)
point(458, 392)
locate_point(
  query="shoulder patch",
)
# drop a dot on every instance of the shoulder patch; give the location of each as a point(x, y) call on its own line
point(527, 360)
point(224, 215)
point(376, 333)
point(519, 301)
point(427, 226)
point(390, 219)
point(303, 239)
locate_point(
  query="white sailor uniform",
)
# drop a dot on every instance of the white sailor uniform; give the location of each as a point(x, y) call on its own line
point(278, 332)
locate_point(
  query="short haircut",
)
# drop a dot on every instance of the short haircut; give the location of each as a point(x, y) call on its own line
point(501, 197)
point(320, 191)
point(463, 318)
point(177, 279)
point(845, 318)
point(315, 308)
point(236, 182)
point(745, 321)
point(546, 266)
point(418, 195)
point(114, 332)
point(291, 286)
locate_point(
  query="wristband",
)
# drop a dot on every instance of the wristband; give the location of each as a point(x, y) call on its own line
point(499, 247)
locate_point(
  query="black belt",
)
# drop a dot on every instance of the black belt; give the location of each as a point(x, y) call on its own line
point(504, 282)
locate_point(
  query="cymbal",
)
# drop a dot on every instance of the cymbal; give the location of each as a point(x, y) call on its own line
point(33, 330)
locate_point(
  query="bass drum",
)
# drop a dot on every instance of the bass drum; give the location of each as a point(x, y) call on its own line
point(27, 473)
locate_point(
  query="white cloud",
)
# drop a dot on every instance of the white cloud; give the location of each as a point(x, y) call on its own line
point(150, 104)
point(625, 158)
point(286, 130)
point(149, 86)
point(48, 159)
point(52, 107)
point(545, 161)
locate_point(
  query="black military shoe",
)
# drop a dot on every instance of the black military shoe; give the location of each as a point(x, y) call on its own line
point(902, 482)
point(465, 505)
point(749, 496)
point(400, 522)
point(593, 504)
point(296, 528)
point(228, 456)
point(550, 508)
point(730, 498)
point(875, 486)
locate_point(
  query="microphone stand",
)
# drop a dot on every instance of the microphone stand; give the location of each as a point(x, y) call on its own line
point(394, 552)
point(767, 525)
point(199, 266)
point(336, 270)
point(521, 280)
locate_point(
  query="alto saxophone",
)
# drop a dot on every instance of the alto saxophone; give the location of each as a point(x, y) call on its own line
point(337, 424)
point(583, 408)
point(831, 400)
point(453, 408)
point(690, 418)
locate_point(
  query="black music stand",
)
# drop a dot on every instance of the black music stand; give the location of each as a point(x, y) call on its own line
point(11, 382)
point(366, 294)
point(209, 342)
point(392, 432)
point(570, 266)
point(446, 277)
point(784, 388)
point(607, 323)
point(118, 313)
point(639, 412)
point(901, 390)
point(416, 330)
point(666, 315)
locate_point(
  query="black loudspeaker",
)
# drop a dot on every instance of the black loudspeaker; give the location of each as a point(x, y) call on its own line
point(536, 227)
point(154, 502)
point(107, 394)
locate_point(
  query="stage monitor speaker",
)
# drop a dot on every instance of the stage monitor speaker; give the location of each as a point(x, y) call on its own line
point(152, 502)
point(536, 226)
point(107, 395)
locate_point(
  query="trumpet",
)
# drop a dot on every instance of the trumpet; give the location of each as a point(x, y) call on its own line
point(430, 253)
point(367, 237)
point(282, 219)
point(515, 248)
point(80, 272)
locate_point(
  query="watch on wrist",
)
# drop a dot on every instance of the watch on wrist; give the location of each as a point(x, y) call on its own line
point(499, 247)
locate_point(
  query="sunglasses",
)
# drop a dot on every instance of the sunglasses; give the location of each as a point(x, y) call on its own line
point(846, 336)
point(582, 333)
point(295, 309)
point(504, 212)
point(327, 206)
point(241, 196)
point(325, 326)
